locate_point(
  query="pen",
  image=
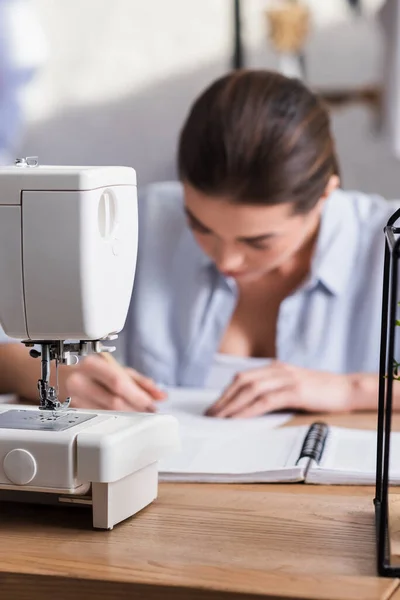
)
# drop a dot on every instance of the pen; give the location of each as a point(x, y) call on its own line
point(112, 361)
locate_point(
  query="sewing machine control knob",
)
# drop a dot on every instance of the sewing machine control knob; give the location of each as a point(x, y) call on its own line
point(107, 215)
point(19, 466)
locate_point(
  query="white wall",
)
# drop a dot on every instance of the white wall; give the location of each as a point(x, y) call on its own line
point(121, 74)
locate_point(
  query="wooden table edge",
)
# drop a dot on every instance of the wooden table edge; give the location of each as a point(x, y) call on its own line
point(36, 586)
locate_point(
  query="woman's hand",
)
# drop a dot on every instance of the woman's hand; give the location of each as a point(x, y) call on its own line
point(280, 386)
point(97, 383)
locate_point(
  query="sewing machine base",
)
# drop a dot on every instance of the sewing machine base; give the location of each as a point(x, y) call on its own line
point(111, 503)
point(102, 459)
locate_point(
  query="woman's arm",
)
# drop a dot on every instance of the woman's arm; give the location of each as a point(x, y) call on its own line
point(365, 390)
point(280, 386)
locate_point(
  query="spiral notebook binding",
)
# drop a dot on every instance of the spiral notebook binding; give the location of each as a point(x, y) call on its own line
point(314, 442)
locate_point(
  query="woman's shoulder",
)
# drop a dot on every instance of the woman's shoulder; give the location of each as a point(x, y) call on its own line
point(163, 233)
point(369, 210)
point(161, 218)
point(364, 217)
point(353, 231)
point(161, 203)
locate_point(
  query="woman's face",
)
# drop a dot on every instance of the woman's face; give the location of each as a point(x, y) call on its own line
point(245, 241)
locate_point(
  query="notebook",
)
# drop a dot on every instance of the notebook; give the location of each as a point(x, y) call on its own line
point(250, 451)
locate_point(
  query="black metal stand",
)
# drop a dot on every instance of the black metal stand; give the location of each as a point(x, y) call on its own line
point(238, 54)
point(355, 5)
point(386, 376)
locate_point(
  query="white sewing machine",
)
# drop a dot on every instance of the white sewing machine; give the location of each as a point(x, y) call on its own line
point(68, 248)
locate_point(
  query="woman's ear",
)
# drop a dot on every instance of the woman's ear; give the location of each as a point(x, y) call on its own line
point(331, 186)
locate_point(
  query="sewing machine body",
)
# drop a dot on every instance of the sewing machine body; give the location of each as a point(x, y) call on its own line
point(69, 236)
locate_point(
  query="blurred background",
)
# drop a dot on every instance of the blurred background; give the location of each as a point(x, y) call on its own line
point(100, 82)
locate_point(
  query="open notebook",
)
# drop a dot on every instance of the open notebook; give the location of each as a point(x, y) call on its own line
point(228, 451)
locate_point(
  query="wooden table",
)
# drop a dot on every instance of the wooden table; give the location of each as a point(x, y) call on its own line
point(203, 541)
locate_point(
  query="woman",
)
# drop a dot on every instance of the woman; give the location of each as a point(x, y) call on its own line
point(256, 254)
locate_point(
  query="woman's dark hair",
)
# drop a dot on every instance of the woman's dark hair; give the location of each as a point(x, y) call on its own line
point(258, 137)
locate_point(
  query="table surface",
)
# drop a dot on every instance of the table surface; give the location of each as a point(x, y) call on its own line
point(203, 541)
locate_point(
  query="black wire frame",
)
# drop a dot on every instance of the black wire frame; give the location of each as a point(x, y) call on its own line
point(386, 375)
point(238, 58)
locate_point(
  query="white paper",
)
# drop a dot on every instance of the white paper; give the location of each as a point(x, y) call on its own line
point(213, 446)
point(189, 405)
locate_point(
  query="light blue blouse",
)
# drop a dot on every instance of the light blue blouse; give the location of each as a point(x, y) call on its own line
point(181, 305)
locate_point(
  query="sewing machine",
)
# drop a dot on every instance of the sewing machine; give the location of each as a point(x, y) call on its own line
point(68, 249)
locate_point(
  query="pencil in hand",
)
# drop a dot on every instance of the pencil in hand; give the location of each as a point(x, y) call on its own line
point(147, 384)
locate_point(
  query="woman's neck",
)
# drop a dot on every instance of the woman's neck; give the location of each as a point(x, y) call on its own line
point(300, 263)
